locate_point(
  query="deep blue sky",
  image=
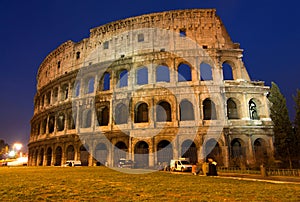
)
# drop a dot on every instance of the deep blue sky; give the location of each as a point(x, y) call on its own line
point(268, 31)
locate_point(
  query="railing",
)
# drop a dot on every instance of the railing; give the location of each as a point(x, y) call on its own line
point(283, 172)
point(238, 170)
point(270, 171)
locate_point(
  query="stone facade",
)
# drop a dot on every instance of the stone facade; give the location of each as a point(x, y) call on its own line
point(150, 88)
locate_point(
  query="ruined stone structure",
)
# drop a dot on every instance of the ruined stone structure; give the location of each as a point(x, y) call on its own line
point(150, 88)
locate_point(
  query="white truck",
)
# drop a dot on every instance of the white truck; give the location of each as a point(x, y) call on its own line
point(72, 163)
point(182, 164)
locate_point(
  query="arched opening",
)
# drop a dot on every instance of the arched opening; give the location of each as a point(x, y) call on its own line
point(163, 112)
point(121, 114)
point(87, 119)
point(260, 151)
point(72, 120)
point(232, 112)
point(51, 124)
point(55, 95)
point(164, 151)
point(35, 159)
point(213, 150)
point(70, 153)
point(120, 151)
point(58, 156)
point(64, 92)
point(103, 116)
point(77, 89)
point(41, 159)
point(186, 111)
point(49, 156)
point(142, 76)
point(227, 71)
point(184, 73)
point(106, 81)
point(60, 122)
point(141, 113)
point(237, 152)
point(209, 110)
point(123, 78)
point(141, 154)
point(253, 110)
point(44, 126)
point(189, 150)
point(162, 74)
point(205, 72)
point(90, 85)
point(101, 154)
point(84, 155)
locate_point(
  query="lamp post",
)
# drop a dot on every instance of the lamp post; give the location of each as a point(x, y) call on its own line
point(287, 142)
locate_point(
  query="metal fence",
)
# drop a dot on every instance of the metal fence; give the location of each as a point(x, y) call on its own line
point(270, 171)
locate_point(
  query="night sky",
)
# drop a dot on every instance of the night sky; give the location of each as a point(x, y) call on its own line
point(268, 31)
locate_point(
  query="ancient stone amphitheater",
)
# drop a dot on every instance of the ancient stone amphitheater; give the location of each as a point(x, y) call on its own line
point(150, 88)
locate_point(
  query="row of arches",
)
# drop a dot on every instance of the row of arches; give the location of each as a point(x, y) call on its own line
point(121, 114)
point(164, 152)
point(162, 74)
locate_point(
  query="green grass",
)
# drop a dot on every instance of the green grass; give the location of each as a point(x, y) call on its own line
point(103, 184)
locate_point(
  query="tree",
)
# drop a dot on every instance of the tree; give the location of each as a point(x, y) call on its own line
point(3, 149)
point(283, 130)
point(297, 125)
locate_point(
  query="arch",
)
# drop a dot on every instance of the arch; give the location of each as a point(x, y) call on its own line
point(232, 111)
point(120, 151)
point(237, 148)
point(253, 110)
point(72, 120)
point(106, 81)
point(87, 119)
point(60, 121)
point(55, 95)
point(205, 72)
point(90, 85)
point(162, 73)
point(123, 78)
point(142, 76)
point(163, 112)
point(84, 155)
point(209, 110)
point(186, 110)
point(44, 126)
point(49, 156)
point(70, 152)
point(141, 154)
point(101, 153)
point(35, 158)
point(141, 113)
point(64, 92)
point(164, 151)
point(58, 156)
point(77, 89)
point(184, 72)
point(51, 124)
point(103, 115)
point(213, 150)
point(121, 114)
point(189, 150)
point(260, 151)
point(41, 159)
point(227, 71)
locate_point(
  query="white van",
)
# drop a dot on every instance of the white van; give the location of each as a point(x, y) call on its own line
point(180, 165)
point(72, 163)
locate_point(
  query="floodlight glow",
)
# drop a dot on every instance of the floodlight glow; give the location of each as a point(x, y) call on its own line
point(11, 153)
point(18, 146)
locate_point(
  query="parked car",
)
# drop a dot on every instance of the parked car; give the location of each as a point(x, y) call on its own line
point(180, 165)
point(125, 163)
point(72, 163)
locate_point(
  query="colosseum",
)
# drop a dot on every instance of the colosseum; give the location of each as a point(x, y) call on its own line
point(150, 88)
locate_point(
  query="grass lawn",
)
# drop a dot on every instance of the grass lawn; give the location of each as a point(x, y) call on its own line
point(103, 184)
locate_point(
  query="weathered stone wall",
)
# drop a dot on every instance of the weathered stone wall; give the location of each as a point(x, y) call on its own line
point(59, 121)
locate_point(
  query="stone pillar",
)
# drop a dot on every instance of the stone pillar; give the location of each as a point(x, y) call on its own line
point(151, 153)
point(250, 152)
